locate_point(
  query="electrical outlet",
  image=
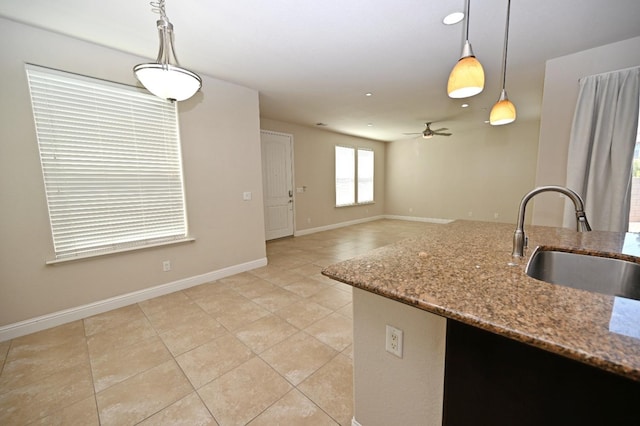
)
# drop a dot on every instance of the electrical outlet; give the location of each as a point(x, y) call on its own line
point(394, 341)
point(166, 265)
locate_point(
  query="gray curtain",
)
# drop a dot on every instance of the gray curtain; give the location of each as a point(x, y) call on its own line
point(603, 138)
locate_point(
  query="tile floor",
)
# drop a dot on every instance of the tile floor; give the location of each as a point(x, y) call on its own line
point(265, 347)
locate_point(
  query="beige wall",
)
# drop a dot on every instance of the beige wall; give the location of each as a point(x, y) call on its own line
point(221, 153)
point(314, 167)
point(471, 175)
point(558, 106)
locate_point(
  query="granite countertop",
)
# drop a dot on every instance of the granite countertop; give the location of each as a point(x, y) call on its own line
point(464, 271)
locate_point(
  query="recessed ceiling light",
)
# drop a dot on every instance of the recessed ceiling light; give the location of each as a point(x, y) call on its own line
point(453, 18)
point(368, 94)
point(370, 124)
point(464, 105)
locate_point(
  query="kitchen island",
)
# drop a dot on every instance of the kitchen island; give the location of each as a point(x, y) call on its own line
point(458, 282)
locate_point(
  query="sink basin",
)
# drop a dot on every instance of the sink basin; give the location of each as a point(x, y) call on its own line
point(606, 275)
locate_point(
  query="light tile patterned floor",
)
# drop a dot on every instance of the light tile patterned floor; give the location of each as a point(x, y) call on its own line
point(265, 347)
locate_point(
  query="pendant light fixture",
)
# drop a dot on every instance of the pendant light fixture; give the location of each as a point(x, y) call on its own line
point(504, 111)
point(467, 76)
point(165, 78)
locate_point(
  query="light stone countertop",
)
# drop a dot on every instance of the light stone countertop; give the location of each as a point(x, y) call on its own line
point(462, 271)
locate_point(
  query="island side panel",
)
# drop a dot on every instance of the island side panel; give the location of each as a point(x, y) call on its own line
point(397, 391)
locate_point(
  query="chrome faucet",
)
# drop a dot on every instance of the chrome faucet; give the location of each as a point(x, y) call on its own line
point(519, 237)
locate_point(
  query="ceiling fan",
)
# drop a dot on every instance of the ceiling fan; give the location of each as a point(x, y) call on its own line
point(427, 133)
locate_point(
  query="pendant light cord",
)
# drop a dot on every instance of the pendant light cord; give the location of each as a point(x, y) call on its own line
point(158, 7)
point(466, 15)
point(506, 43)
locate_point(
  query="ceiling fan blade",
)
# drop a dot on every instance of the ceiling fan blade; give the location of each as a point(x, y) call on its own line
point(419, 133)
point(440, 130)
point(442, 134)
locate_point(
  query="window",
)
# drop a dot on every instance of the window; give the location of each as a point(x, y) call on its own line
point(345, 176)
point(111, 163)
point(365, 176)
point(354, 176)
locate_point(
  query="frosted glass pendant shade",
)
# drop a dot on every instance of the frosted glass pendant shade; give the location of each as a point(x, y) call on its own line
point(467, 76)
point(168, 81)
point(503, 112)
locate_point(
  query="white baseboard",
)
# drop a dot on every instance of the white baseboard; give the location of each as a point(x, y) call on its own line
point(419, 219)
point(44, 322)
point(336, 226)
point(369, 219)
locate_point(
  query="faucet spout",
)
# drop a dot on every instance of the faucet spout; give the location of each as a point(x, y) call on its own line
point(520, 238)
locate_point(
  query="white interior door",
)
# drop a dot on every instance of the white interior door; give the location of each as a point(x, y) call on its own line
point(277, 183)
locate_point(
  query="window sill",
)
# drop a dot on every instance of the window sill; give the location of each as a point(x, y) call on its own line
point(356, 204)
point(116, 251)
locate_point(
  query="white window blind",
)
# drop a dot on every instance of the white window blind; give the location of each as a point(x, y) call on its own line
point(111, 163)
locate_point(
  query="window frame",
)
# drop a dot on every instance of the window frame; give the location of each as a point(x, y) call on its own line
point(110, 155)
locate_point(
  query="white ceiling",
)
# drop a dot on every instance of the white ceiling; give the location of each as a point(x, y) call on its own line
point(314, 61)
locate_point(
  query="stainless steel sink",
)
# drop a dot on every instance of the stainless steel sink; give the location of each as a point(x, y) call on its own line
point(606, 275)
